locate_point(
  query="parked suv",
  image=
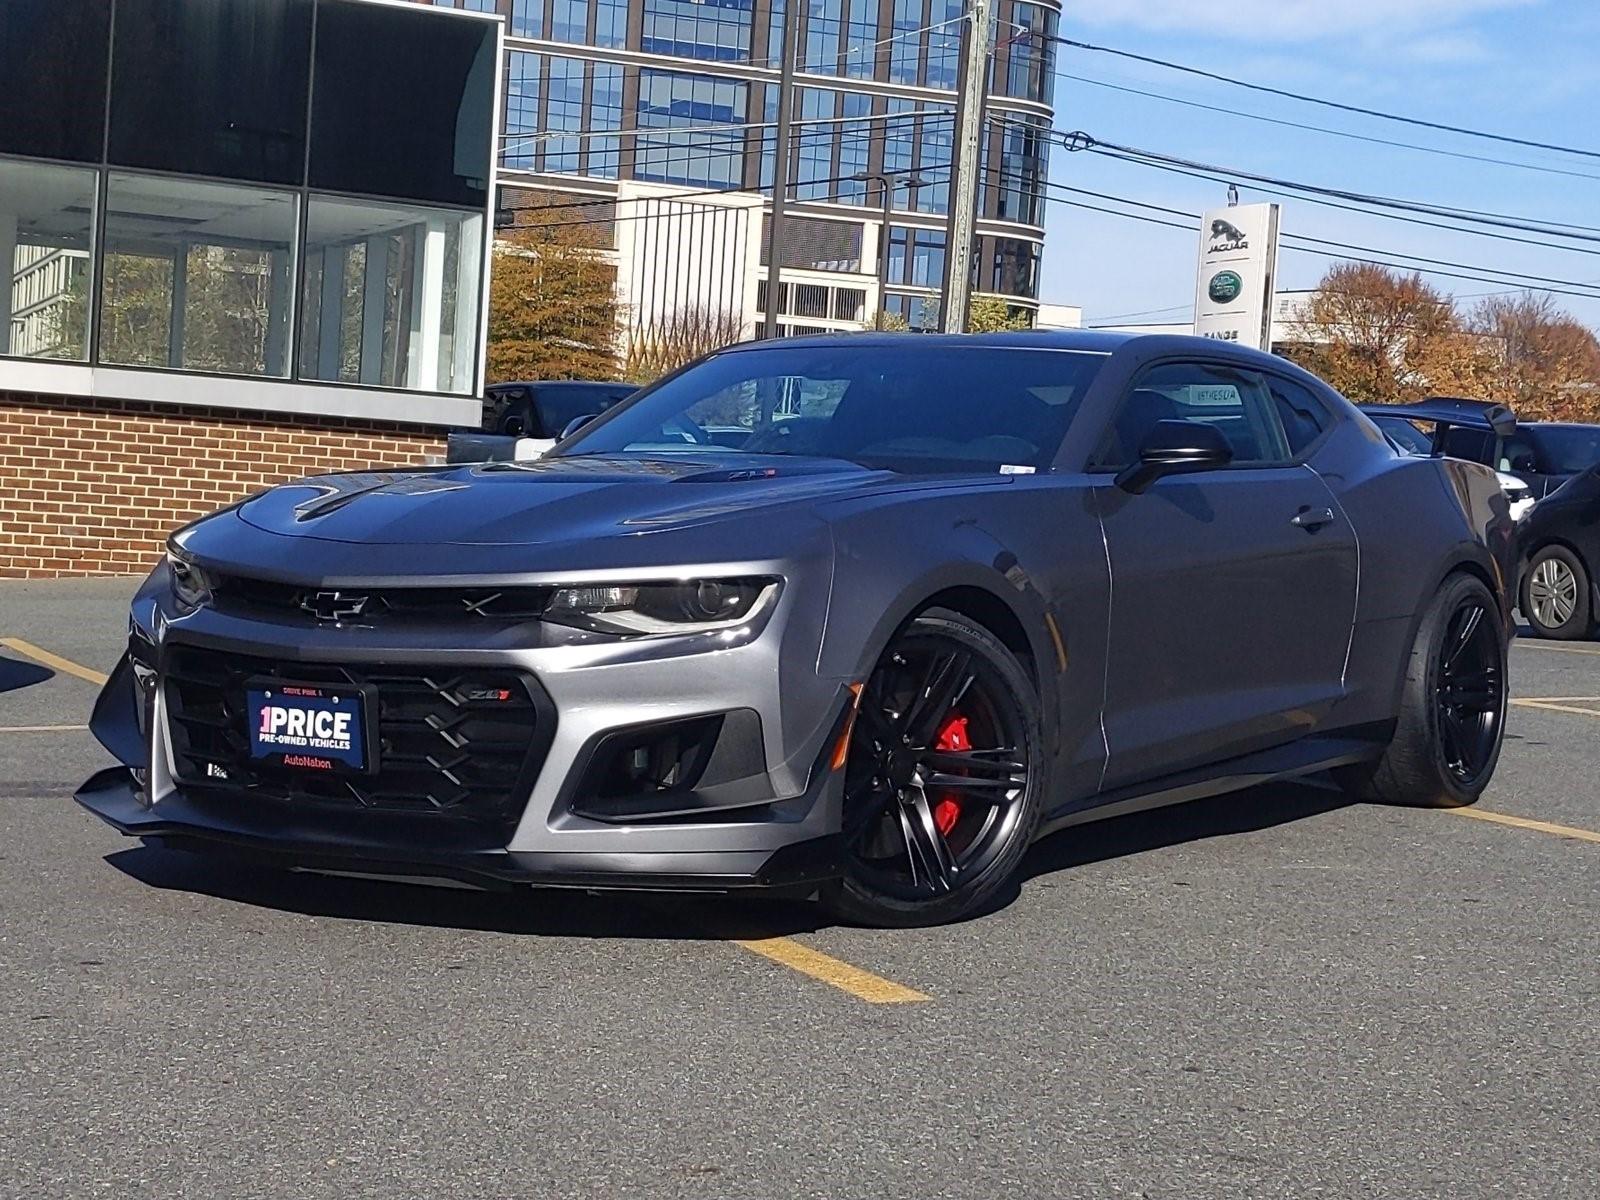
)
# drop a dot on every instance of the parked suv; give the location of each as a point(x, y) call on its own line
point(1543, 454)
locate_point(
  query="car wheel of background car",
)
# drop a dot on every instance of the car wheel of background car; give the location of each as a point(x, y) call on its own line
point(1452, 713)
point(1555, 594)
point(944, 779)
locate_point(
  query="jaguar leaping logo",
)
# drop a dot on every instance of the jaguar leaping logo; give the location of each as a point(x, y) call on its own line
point(1227, 236)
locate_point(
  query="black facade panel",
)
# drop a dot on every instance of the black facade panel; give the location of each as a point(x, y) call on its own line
point(212, 89)
point(399, 102)
point(53, 77)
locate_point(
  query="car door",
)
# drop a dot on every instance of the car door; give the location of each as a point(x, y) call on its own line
point(1232, 590)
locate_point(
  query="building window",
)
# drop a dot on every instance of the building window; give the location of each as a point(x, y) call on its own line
point(56, 50)
point(569, 21)
point(814, 177)
point(905, 51)
point(391, 295)
point(523, 76)
point(564, 110)
point(213, 89)
point(1031, 52)
point(944, 43)
point(611, 23)
point(935, 151)
point(527, 18)
point(715, 30)
point(411, 130)
point(1012, 266)
point(46, 241)
point(924, 265)
point(668, 99)
point(822, 23)
point(854, 138)
point(197, 276)
point(861, 40)
point(1024, 168)
point(605, 112)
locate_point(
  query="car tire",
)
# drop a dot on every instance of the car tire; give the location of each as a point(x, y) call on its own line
point(1452, 711)
point(1555, 597)
point(989, 750)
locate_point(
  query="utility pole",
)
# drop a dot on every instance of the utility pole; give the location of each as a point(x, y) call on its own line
point(972, 87)
point(887, 180)
point(780, 169)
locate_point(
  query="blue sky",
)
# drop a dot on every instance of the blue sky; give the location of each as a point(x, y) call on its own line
point(1527, 68)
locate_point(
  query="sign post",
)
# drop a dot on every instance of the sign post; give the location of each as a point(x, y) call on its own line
point(1238, 263)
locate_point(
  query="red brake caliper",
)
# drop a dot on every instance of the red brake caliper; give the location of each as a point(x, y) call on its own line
point(953, 736)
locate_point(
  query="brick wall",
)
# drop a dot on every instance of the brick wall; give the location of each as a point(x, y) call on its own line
point(93, 488)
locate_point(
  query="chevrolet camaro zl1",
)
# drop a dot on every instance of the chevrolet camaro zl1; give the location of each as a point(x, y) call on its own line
point(858, 617)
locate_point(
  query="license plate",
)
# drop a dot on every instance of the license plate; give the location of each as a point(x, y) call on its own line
point(308, 727)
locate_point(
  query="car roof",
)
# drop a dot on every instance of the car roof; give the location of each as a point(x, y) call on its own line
point(1088, 341)
point(1450, 410)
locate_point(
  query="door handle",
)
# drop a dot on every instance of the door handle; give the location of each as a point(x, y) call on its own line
point(1311, 519)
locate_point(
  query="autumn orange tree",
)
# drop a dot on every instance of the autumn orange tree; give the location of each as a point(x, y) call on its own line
point(552, 305)
point(1386, 337)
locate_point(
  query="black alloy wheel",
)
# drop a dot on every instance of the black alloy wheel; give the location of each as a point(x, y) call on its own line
point(942, 777)
point(1451, 721)
point(1470, 692)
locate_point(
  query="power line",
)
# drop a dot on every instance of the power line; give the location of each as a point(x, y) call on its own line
point(732, 127)
point(1079, 140)
point(1326, 103)
point(1343, 133)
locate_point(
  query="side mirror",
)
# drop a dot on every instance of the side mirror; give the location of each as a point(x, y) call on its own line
point(1175, 448)
point(574, 425)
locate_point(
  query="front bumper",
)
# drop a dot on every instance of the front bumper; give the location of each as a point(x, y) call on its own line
point(766, 814)
point(274, 837)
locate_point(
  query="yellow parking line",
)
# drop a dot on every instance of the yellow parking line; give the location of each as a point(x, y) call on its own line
point(863, 985)
point(1552, 706)
point(39, 728)
point(29, 650)
point(1566, 831)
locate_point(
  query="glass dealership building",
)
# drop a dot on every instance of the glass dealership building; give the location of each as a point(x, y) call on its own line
point(684, 93)
point(246, 240)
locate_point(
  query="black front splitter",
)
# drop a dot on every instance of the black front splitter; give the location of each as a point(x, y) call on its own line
point(113, 796)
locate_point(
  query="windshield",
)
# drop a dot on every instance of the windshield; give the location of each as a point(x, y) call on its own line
point(912, 406)
point(1566, 450)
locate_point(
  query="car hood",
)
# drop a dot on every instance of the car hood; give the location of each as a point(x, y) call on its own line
point(559, 499)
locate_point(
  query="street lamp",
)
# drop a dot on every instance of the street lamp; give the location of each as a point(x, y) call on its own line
point(888, 181)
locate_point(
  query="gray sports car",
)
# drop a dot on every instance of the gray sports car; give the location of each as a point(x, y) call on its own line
point(940, 597)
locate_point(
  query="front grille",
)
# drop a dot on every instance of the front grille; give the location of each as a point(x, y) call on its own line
point(248, 596)
point(443, 745)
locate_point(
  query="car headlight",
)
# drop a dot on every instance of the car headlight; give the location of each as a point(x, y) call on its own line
point(653, 609)
point(190, 587)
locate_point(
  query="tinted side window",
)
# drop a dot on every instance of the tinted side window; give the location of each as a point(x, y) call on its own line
point(1238, 403)
point(1472, 444)
point(212, 89)
point(53, 64)
point(1304, 418)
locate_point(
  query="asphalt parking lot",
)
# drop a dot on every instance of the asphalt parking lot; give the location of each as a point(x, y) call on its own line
point(1270, 994)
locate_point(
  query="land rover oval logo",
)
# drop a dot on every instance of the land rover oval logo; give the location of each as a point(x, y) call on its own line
point(1224, 286)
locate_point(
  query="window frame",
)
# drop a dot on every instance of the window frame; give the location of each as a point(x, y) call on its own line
point(1095, 467)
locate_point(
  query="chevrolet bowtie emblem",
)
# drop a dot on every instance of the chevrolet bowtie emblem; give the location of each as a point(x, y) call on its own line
point(334, 606)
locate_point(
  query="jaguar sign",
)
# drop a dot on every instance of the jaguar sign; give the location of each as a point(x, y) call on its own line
point(1234, 282)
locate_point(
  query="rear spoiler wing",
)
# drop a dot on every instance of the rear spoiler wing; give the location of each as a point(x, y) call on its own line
point(1443, 412)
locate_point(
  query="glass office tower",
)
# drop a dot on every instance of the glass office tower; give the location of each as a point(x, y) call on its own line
point(683, 92)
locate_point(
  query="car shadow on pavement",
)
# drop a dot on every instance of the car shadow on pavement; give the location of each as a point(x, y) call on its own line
point(559, 912)
point(546, 912)
point(1245, 811)
point(16, 674)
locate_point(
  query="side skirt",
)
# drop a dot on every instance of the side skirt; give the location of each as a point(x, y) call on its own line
point(1306, 757)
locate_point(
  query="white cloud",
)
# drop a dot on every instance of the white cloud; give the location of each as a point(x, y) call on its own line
point(1291, 20)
